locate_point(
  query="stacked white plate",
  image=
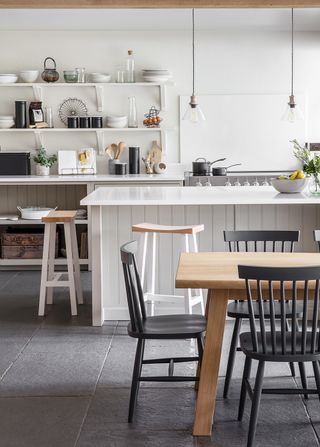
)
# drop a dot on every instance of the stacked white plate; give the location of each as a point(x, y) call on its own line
point(156, 75)
point(6, 122)
point(117, 121)
point(100, 77)
point(8, 78)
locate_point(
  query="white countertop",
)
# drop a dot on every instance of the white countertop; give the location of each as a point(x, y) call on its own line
point(90, 178)
point(220, 195)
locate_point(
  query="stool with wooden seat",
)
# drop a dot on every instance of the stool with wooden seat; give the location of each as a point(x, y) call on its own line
point(148, 269)
point(50, 278)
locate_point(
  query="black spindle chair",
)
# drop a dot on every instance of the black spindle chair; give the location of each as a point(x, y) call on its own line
point(169, 327)
point(275, 343)
point(252, 240)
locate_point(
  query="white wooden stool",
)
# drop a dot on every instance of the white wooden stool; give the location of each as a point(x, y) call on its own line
point(147, 267)
point(50, 278)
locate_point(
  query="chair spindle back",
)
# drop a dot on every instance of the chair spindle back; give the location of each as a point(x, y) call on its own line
point(261, 240)
point(134, 291)
point(288, 283)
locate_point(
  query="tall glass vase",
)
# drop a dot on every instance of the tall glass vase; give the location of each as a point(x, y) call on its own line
point(314, 187)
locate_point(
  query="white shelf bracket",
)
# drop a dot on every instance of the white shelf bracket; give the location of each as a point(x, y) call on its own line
point(163, 97)
point(163, 140)
point(100, 97)
point(37, 92)
point(39, 138)
point(100, 141)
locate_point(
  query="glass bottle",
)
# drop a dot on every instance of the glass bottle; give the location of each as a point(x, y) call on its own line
point(130, 67)
point(81, 74)
point(132, 119)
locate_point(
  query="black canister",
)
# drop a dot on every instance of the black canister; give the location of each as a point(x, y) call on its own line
point(21, 114)
point(73, 122)
point(84, 122)
point(134, 160)
point(120, 168)
point(96, 122)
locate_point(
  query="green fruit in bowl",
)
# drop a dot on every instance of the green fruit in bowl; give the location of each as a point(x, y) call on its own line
point(283, 177)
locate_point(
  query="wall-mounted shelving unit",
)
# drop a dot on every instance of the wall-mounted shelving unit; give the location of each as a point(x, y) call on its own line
point(100, 134)
point(38, 88)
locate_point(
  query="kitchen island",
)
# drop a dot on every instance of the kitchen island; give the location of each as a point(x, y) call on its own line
point(115, 210)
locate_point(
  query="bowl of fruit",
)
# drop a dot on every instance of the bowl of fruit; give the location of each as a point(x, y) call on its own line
point(289, 184)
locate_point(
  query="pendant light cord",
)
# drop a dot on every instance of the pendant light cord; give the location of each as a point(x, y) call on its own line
point(292, 43)
point(193, 61)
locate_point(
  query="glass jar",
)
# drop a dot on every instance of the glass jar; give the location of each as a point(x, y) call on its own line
point(314, 185)
point(81, 71)
point(132, 116)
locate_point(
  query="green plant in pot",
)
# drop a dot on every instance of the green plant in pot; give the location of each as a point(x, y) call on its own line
point(311, 165)
point(43, 161)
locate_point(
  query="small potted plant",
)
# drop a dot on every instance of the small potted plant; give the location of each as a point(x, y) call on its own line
point(43, 161)
point(311, 165)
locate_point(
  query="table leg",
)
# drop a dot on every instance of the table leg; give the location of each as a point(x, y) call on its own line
point(216, 316)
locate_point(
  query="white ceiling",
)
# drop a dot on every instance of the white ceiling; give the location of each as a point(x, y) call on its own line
point(156, 19)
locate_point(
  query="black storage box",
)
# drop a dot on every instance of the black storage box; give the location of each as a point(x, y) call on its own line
point(15, 163)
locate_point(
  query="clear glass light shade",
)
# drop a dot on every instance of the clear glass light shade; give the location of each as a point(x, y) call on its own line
point(194, 114)
point(292, 113)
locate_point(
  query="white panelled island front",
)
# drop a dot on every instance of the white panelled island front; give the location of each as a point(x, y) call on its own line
point(115, 210)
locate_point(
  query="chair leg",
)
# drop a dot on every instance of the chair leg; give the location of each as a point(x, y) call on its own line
point(200, 348)
point(135, 378)
point(44, 270)
point(303, 378)
point(52, 255)
point(255, 404)
point(291, 365)
point(232, 355)
point(243, 394)
point(316, 370)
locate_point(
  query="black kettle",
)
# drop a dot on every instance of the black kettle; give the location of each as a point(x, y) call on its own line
point(50, 74)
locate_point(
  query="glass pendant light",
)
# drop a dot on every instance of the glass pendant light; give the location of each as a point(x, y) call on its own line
point(293, 112)
point(193, 113)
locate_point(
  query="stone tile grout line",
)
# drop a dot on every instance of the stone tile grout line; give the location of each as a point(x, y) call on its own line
point(19, 353)
point(308, 414)
point(95, 387)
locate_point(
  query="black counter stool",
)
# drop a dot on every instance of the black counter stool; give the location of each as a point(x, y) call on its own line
point(165, 327)
point(278, 344)
point(275, 241)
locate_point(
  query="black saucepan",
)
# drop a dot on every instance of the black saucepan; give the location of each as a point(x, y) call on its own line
point(203, 167)
point(222, 170)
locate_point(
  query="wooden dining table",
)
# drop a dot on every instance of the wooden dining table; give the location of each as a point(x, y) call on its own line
point(218, 272)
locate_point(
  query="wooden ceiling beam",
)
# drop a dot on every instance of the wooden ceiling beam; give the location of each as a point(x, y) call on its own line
point(150, 4)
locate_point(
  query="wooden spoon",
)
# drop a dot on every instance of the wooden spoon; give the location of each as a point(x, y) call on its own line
point(109, 151)
point(121, 148)
point(114, 150)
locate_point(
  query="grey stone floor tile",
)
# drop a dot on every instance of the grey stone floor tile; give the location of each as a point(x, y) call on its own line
point(38, 422)
point(53, 374)
point(156, 409)
point(70, 340)
point(129, 437)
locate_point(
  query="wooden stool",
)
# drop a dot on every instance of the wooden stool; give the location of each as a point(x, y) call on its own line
point(50, 278)
point(148, 269)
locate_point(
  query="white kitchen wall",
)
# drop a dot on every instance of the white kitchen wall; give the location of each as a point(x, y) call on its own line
point(241, 62)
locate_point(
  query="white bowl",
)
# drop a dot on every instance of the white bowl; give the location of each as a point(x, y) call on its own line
point(34, 212)
point(8, 78)
point(288, 186)
point(6, 125)
point(100, 77)
point(29, 75)
point(153, 78)
point(117, 121)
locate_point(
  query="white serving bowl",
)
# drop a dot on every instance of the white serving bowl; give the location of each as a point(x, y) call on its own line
point(100, 77)
point(117, 121)
point(290, 186)
point(34, 212)
point(8, 78)
point(154, 78)
point(29, 76)
point(6, 122)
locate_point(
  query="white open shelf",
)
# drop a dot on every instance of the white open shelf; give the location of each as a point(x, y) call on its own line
point(100, 133)
point(15, 262)
point(8, 222)
point(99, 88)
